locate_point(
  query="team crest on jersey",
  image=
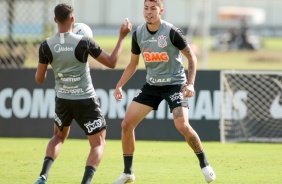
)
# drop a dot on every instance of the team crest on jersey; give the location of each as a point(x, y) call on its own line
point(162, 41)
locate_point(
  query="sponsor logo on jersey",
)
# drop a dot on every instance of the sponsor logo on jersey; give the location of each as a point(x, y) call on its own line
point(155, 56)
point(162, 41)
point(59, 48)
point(155, 80)
point(69, 77)
point(73, 90)
point(145, 49)
point(151, 40)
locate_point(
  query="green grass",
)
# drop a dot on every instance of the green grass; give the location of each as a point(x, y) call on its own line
point(269, 57)
point(154, 162)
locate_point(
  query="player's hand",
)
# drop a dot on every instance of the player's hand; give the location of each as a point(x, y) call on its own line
point(125, 28)
point(118, 93)
point(188, 91)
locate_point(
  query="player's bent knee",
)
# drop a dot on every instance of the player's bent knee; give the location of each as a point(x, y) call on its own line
point(185, 130)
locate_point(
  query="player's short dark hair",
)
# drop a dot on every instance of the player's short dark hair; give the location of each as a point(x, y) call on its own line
point(159, 2)
point(63, 12)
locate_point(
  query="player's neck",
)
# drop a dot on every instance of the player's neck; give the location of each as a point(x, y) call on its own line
point(62, 28)
point(154, 27)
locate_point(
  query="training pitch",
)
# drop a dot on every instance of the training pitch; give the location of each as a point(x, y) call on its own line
point(154, 162)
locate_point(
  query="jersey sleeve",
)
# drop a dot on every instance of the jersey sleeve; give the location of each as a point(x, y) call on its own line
point(177, 38)
point(87, 46)
point(94, 49)
point(135, 49)
point(45, 54)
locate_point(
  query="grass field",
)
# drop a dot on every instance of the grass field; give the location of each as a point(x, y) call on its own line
point(154, 162)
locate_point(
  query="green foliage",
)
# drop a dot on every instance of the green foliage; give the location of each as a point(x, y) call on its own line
point(154, 162)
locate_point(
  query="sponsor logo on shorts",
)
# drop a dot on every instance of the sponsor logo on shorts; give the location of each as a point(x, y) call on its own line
point(93, 125)
point(57, 119)
point(138, 92)
point(176, 96)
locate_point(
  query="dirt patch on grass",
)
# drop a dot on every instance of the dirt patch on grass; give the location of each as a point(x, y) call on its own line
point(267, 58)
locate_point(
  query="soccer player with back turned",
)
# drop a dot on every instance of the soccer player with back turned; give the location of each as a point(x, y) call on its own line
point(161, 45)
point(76, 99)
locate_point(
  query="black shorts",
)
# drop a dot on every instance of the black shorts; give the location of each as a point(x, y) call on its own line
point(153, 95)
point(86, 112)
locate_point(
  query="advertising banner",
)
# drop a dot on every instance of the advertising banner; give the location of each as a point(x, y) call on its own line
point(27, 109)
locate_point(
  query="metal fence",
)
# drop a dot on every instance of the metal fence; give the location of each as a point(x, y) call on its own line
point(23, 26)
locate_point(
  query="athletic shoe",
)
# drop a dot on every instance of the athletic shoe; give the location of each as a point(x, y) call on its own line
point(40, 180)
point(125, 178)
point(208, 173)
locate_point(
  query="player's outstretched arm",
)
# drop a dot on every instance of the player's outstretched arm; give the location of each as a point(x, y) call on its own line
point(111, 60)
point(127, 74)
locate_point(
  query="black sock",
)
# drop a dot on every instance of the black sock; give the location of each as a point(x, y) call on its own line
point(88, 174)
point(127, 159)
point(48, 161)
point(202, 159)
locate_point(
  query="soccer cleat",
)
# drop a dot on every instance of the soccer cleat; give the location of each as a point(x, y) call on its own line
point(40, 180)
point(209, 174)
point(125, 178)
